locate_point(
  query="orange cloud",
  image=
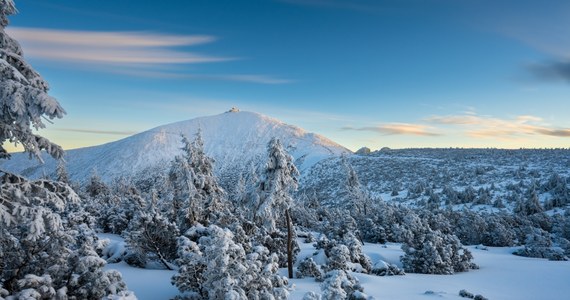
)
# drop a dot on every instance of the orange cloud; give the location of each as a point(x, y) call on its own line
point(398, 129)
point(489, 127)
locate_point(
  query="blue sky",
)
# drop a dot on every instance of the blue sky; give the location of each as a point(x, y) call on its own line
point(410, 73)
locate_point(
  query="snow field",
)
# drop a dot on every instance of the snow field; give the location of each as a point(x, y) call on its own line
point(502, 275)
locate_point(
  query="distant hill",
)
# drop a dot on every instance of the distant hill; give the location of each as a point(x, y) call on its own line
point(235, 140)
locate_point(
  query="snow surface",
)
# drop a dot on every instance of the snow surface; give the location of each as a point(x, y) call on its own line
point(502, 275)
point(233, 139)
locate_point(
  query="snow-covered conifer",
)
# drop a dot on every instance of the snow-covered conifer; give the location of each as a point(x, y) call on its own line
point(41, 251)
point(96, 187)
point(23, 96)
point(152, 237)
point(339, 284)
point(213, 266)
point(339, 258)
point(197, 194)
point(270, 209)
point(538, 243)
point(434, 252)
point(279, 180)
point(356, 200)
point(61, 172)
point(372, 232)
point(308, 268)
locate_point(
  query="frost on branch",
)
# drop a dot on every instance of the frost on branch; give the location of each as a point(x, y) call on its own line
point(23, 97)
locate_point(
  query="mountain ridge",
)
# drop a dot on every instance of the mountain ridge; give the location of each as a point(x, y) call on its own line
point(234, 139)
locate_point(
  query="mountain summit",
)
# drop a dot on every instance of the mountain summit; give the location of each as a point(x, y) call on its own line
point(235, 140)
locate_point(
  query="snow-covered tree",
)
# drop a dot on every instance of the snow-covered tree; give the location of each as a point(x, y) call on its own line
point(372, 232)
point(96, 187)
point(434, 252)
point(308, 268)
point(356, 200)
point(338, 258)
point(61, 172)
point(339, 284)
point(270, 208)
point(179, 179)
point(42, 253)
point(88, 279)
point(214, 266)
point(24, 98)
point(113, 207)
point(539, 244)
point(279, 180)
point(197, 195)
point(152, 237)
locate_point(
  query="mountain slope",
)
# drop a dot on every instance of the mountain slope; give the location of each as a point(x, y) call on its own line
point(482, 179)
point(233, 139)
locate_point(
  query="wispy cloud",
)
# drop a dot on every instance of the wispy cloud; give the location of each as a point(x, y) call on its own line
point(454, 119)
point(491, 127)
point(94, 131)
point(122, 48)
point(398, 129)
point(251, 78)
point(140, 54)
point(108, 39)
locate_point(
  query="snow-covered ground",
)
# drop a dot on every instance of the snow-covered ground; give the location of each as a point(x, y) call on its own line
point(502, 275)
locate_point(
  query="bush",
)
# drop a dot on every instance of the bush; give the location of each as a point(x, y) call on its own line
point(308, 268)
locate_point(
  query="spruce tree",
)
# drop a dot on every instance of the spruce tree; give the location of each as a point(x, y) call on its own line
point(61, 172)
point(197, 196)
point(24, 98)
point(278, 182)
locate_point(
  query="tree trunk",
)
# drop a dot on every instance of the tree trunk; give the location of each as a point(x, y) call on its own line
point(289, 244)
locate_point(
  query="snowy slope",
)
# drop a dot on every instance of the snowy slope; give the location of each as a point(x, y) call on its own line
point(233, 139)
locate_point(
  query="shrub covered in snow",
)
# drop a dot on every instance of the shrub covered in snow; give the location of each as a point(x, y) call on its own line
point(308, 268)
point(152, 237)
point(538, 244)
point(42, 254)
point(436, 253)
point(382, 268)
point(339, 284)
point(213, 266)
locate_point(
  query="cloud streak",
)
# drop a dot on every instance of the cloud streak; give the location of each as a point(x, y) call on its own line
point(250, 78)
point(477, 126)
point(398, 129)
point(107, 39)
point(112, 132)
point(139, 54)
point(115, 48)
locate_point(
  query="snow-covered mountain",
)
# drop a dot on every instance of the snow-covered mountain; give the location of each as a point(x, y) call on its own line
point(234, 139)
